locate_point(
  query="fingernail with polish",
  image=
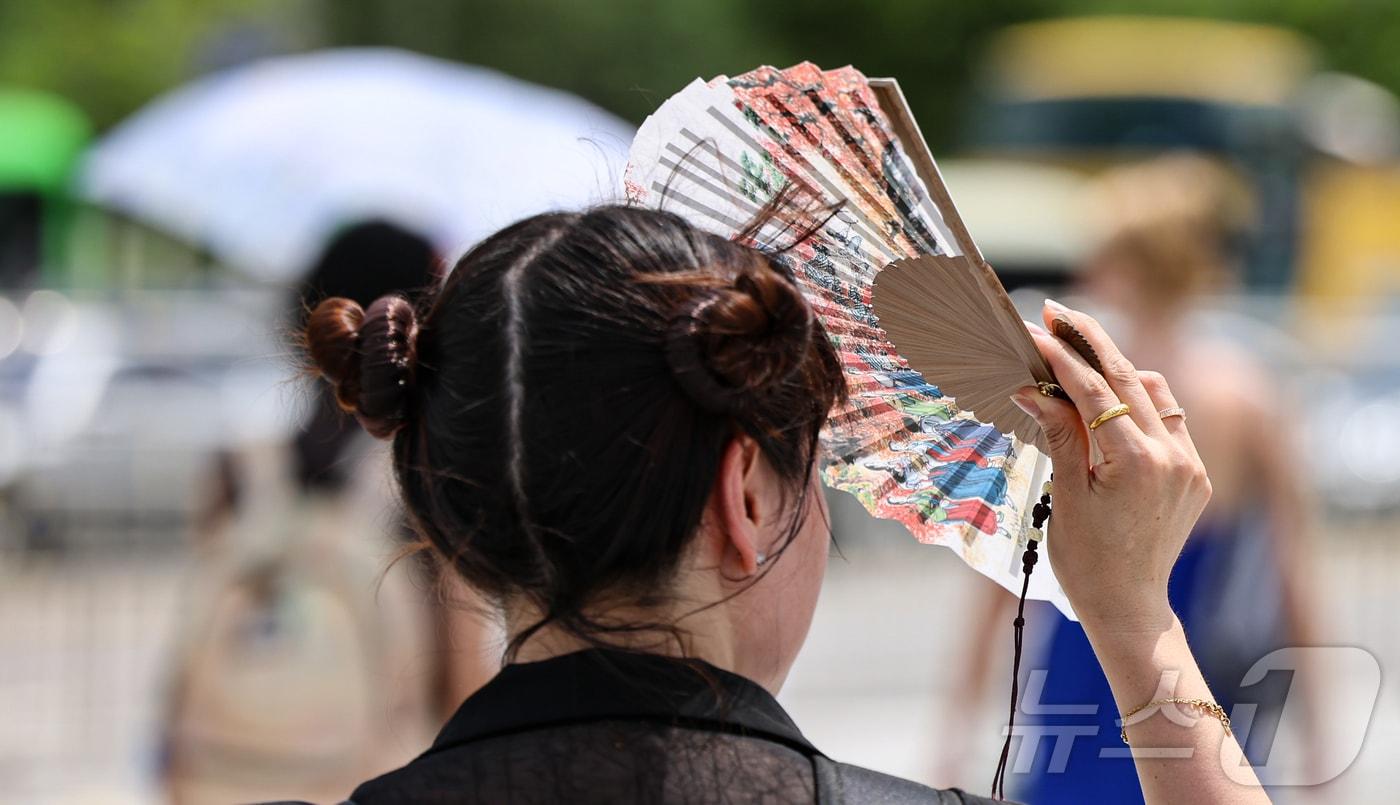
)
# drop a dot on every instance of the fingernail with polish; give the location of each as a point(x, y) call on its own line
point(1033, 327)
point(1056, 306)
point(1026, 401)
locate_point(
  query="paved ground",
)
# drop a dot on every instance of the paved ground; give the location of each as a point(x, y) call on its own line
point(81, 648)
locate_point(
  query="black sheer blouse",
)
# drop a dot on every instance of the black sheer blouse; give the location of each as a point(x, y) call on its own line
point(618, 727)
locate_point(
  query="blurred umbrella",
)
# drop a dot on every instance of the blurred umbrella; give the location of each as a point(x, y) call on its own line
point(264, 163)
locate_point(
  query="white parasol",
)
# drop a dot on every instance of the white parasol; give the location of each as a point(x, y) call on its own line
point(264, 162)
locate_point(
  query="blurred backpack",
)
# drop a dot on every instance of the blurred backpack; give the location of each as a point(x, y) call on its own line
point(301, 667)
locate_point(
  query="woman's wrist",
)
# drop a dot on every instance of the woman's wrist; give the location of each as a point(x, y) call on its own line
point(1125, 616)
point(1140, 654)
point(1129, 628)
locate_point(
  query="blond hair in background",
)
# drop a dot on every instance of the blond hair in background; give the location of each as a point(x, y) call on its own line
point(1166, 225)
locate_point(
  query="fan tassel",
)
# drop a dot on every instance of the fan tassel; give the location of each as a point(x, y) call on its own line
point(1040, 515)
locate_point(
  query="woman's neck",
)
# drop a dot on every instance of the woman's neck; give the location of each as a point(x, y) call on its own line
point(701, 634)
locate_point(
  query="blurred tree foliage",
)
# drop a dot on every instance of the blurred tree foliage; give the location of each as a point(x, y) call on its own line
point(111, 56)
point(628, 55)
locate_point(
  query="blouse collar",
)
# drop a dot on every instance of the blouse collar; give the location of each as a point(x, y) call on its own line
point(602, 684)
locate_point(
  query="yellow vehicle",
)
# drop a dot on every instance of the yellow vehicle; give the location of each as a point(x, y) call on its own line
point(1317, 151)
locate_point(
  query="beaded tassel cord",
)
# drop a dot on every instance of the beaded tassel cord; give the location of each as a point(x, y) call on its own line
point(1040, 515)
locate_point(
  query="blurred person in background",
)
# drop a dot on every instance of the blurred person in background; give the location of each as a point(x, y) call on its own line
point(1167, 227)
point(363, 263)
point(303, 664)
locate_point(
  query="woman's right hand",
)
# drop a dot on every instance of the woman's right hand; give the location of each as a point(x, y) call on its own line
point(1118, 525)
point(1117, 529)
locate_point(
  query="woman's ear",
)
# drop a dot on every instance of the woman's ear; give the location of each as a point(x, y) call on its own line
point(743, 504)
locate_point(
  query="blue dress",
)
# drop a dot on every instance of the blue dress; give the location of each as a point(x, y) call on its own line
point(1079, 756)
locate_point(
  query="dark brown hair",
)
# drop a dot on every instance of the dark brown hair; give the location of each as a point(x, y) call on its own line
point(560, 407)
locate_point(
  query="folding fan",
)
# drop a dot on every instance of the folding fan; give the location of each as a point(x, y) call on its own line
point(931, 344)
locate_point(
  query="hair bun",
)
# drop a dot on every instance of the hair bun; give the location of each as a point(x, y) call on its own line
point(369, 356)
point(740, 340)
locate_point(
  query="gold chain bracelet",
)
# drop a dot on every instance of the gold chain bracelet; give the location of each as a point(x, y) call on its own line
point(1207, 707)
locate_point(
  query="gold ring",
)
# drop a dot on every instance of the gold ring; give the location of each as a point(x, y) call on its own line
point(1116, 411)
point(1170, 412)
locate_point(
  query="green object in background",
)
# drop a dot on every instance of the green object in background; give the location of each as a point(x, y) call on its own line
point(41, 138)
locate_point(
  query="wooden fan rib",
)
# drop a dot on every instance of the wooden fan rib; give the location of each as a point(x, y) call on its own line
point(1011, 323)
point(945, 284)
point(935, 277)
point(941, 354)
point(977, 284)
point(950, 347)
point(971, 358)
point(945, 339)
point(923, 306)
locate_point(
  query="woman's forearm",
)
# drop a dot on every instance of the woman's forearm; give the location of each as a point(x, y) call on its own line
point(1182, 755)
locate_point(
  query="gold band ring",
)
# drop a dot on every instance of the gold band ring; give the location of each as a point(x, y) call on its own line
point(1170, 412)
point(1116, 411)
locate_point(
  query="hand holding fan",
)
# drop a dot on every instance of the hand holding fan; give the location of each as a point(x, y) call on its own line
point(930, 342)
